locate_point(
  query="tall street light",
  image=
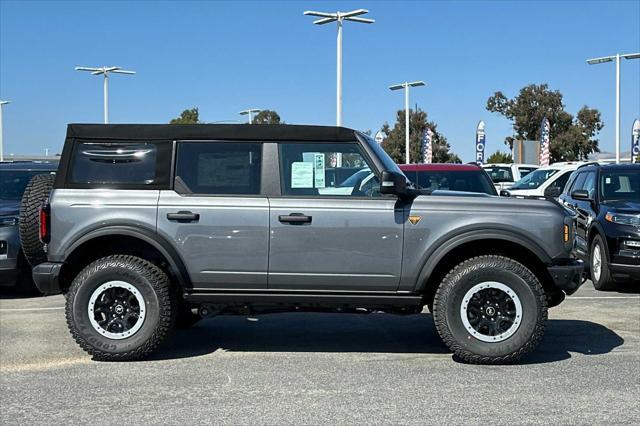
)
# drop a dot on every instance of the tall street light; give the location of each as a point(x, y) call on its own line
point(406, 86)
point(105, 72)
point(249, 112)
point(616, 57)
point(339, 17)
point(2, 103)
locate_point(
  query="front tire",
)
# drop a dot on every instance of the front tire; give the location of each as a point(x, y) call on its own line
point(120, 308)
point(599, 267)
point(490, 310)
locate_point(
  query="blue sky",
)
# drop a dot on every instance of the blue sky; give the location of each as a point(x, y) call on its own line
point(226, 56)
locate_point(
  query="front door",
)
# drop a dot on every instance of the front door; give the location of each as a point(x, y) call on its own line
point(216, 215)
point(331, 229)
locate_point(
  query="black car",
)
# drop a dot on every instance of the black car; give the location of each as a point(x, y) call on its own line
point(14, 177)
point(606, 199)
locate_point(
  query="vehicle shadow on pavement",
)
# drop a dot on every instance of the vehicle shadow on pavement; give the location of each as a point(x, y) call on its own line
point(307, 332)
point(566, 336)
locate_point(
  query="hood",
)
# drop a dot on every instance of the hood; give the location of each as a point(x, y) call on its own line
point(623, 206)
point(9, 207)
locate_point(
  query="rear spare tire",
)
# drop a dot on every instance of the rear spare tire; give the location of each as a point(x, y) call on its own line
point(36, 193)
point(490, 310)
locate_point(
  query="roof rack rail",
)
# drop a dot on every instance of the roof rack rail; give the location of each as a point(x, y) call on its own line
point(590, 163)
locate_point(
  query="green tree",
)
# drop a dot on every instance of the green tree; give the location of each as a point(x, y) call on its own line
point(394, 143)
point(267, 116)
point(188, 116)
point(500, 157)
point(571, 139)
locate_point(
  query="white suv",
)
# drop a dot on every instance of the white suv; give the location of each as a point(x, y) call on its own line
point(547, 181)
point(504, 175)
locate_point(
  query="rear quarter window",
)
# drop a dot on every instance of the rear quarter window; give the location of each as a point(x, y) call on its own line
point(121, 164)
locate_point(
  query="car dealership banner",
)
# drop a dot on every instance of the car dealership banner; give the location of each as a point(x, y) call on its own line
point(480, 143)
point(635, 141)
point(545, 142)
point(426, 146)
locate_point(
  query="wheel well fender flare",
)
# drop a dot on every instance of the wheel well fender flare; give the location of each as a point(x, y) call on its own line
point(449, 242)
point(146, 235)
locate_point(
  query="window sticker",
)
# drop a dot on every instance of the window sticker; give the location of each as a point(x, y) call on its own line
point(302, 174)
point(318, 168)
point(608, 180)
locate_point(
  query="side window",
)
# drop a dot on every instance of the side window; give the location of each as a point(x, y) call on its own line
point(218, 168)
point(590, 184)
point(135, 164)
point(561, 182)
point(326, 169)
point(577, 184)
point(569, 184)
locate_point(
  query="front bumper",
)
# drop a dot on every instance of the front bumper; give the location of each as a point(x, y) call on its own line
point(567, 277)
point(46, 276)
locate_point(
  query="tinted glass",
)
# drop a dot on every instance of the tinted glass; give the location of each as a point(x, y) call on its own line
point(577, 184)
point(219, 168)
point(620, 185)
point(14, 182)
point(569, 184)
point(314, 169)
point(589, 184)
point(525, 171)
point(133, 163)
point(534, 179)
point(500, 174)
point(467, 181)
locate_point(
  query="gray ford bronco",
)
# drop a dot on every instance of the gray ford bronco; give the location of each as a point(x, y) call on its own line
point(152, 226)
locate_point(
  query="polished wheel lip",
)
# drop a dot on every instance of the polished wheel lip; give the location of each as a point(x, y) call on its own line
point(596, 262)
point(497, 286)
point(98, 292)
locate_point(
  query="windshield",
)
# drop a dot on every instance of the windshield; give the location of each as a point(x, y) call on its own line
point(534, 179)
point(387, 162)
point(466, 181)
point(620, 185)
point(500, 174)
point(14, 182)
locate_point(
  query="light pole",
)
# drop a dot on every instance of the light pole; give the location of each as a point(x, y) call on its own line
point(105, 72)
point(406, 86)
point(250, 113)
point(2, 103)
point(339, 17)
point(616, 57)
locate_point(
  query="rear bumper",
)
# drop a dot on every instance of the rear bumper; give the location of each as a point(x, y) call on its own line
point(567, 277)
point(46, 276)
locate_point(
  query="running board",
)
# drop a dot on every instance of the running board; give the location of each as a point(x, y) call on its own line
point(275, 297)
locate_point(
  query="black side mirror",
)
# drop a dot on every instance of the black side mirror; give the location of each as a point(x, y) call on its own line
point(393, 183)
point(553, 192)
point(505, 193)
point(581, 194)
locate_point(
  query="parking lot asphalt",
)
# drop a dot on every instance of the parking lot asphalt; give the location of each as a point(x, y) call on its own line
point(321, 368)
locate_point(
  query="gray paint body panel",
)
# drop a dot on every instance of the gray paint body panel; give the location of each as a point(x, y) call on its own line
point(350, 244)
point(228, 247)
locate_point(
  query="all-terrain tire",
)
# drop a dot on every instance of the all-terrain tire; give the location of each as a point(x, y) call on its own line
point(36, 193)
point(481, 271)
point(604, 282)
point(149, 281)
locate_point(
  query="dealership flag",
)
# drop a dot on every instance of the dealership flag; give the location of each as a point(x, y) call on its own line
point(635, 140)
point(480, 143)
point(544, 142)
point(426, 146)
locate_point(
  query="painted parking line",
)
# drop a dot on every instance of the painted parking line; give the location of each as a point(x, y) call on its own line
point(44, 365)
point(602, 297)
point(30, 309)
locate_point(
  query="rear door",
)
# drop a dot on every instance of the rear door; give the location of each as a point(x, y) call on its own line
point(326, 235)
point(216, 215)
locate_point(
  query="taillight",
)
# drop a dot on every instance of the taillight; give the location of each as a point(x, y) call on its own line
point(45, 223)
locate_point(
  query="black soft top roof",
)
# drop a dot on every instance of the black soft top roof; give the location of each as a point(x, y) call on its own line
point(257, 132)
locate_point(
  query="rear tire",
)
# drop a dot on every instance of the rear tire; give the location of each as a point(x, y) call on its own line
point(599, 266)
point(36, 193)
point(120, 308)
point(490, 310)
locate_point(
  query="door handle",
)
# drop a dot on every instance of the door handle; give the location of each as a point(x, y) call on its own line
point(184, 216)
point(295, 218)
